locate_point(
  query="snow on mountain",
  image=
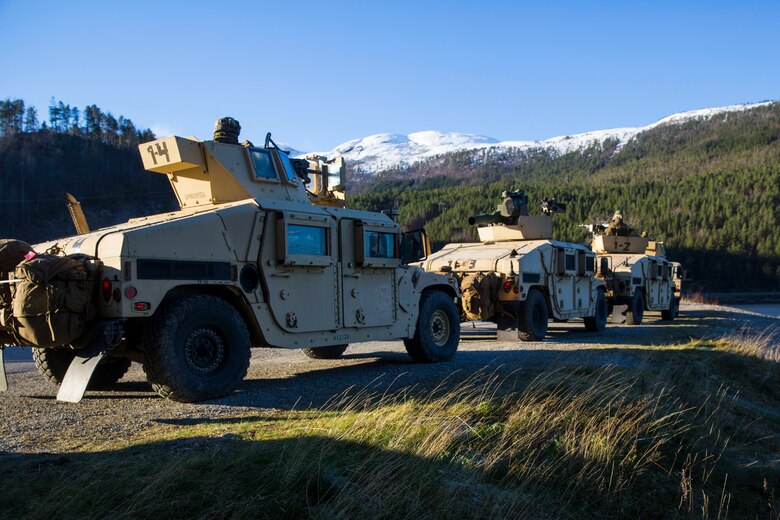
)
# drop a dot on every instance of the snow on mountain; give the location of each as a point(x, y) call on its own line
point(386, 151)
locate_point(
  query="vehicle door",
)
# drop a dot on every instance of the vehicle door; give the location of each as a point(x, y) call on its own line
point(370, 260)
point(299, 267)
point(583, 281)
point(565, 280)
point(654, 284)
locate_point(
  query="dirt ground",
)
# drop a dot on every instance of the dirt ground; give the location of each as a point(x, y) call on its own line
point(279, 379)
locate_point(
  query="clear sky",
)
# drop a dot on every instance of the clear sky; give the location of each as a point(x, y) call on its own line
point(319, 73)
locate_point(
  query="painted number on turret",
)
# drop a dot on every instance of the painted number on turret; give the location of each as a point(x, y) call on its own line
point(158, 150)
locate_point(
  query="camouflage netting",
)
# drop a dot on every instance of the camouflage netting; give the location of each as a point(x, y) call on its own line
point(52, 302)
point(11, 254)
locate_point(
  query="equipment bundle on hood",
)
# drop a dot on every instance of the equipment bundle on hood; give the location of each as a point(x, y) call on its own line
point(52, 301)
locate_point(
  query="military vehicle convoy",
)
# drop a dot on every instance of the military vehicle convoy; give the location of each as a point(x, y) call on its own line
point(518, 277)
point(251, 259)
point(636, 272)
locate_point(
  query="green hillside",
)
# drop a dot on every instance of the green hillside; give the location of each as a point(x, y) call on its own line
point(88, 153)
point(710, 189)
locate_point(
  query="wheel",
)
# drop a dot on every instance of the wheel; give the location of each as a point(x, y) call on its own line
point(196, 348)
point(53, 363)
point(636, 309)
point(671, 313)
point(329, 352)
point(598, 321)
point(437, 334)
point(533, 317)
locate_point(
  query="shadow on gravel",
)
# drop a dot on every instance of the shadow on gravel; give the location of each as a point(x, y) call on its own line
point(652, 331)
point(315, 388)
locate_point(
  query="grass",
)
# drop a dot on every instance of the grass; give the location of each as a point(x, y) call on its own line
point(698, 296)
point(691, 432)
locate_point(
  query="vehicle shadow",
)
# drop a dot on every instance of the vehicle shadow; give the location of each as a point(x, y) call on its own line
point(652, 331)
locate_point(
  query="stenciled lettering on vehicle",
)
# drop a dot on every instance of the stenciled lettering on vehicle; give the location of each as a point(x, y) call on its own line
point(161, 150)
point(198, 195)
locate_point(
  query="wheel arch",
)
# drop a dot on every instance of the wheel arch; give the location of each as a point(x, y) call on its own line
point(446, 289)
point(225, 292)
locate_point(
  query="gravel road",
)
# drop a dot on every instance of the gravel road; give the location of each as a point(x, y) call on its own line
point(279, 379)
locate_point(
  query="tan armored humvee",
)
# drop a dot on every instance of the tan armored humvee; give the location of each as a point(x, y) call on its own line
point(638, 276)
point(250, 260)
point(518, 277)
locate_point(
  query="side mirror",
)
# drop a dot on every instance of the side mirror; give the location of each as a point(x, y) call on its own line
point(415, 246)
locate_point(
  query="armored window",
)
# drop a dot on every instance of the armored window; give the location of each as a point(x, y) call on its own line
point(581, 267)
point(376, 244)
point(590, 263)
point(379, 245)
point(263, 163)
point(569, 262)
point(288, 169)
point(307, 240)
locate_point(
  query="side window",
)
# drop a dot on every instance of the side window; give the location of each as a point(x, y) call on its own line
point(379, 245)
point(303, 239)
point(569, 262)
point(263, 163)
point(307, 240)
point(590, 264)
point(376, 244)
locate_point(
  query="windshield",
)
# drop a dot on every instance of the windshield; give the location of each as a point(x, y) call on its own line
point(288, 169)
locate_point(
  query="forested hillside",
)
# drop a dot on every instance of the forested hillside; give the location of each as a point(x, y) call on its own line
point(88, 153)
point(710, 189)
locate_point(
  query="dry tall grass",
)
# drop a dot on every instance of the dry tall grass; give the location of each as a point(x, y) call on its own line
point(691, 432)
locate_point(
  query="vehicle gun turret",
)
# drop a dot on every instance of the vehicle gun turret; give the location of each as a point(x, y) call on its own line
point(514, 205)
point(511, 220)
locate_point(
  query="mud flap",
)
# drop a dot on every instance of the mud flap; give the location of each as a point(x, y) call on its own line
point(77, 377)
point(619, 314)
point(3, 378)
point(86, 361)
point(507, 329)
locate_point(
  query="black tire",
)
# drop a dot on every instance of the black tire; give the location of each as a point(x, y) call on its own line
point(197, 348)
point(598, 322)
point(671, 313)
point(329, 352)
point(52, 364)
point(532, 319)
point(437, 334)
point(636, 309)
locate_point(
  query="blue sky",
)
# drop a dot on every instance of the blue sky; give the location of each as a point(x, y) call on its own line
point(320, 73)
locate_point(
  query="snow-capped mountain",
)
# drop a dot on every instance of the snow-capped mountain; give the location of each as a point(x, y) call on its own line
point(386, 151)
